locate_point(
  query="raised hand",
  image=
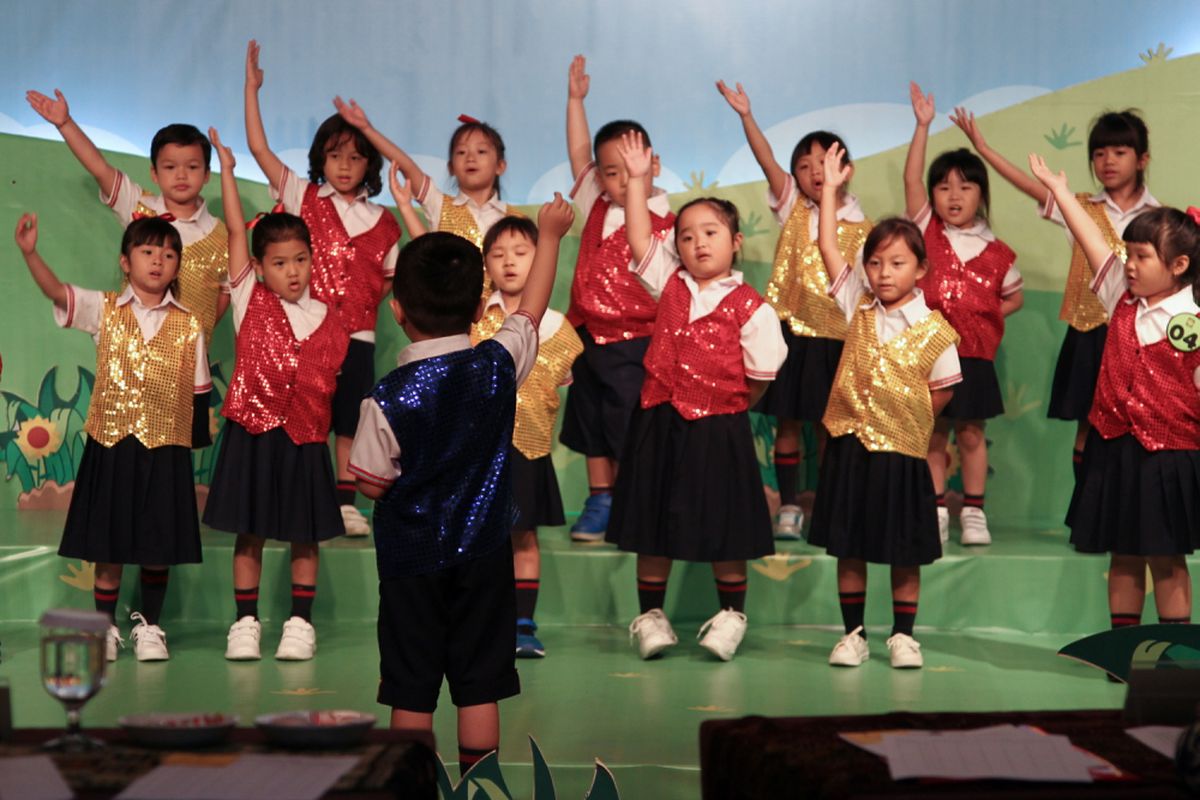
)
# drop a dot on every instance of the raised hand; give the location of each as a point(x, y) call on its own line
point(836, 173)
point(738, 100)
point(254, 75)
point(578, 81)
point(401, 192)
point(53, 111)
point(922, 104)
point(352, 113)
point(27, 233)
point(1054, 181)
point(638, 158)
point(965, 120)
point(555, 218)
point(224, 154)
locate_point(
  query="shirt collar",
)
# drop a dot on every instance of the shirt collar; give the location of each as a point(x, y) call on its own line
point(979, 228)
point(327, 190)
point(429, 348)
point(128, 296)
point(1147, 200)
point(494, 201)
point(734, 280)
point(658, 202)
point(198, 217)
point(848, 211)
point(494, 299)
point(1182, 302)
point(913, 311)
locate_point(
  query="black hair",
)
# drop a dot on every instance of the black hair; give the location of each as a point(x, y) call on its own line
point(892, 228)
point(331, 134)
point(969, 166)
point(183, 135)
point(438, 283)
point(466, 129)
point(274, 228)
point(156, 232)
point(823, 138)
point(726, 210)
point(615, 130)
point(1171, 233)
point(518, 225)
point(1120, 129)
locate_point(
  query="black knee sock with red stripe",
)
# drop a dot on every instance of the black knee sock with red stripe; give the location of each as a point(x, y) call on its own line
point(732, 594)
point(941, 500)
point(154, 592)
point(106, 601)
point(1175, 620)
point(247, 602)
point(527, 593)
point(904, 614)
point(787, 475)
point(973, 501)
point(853, 608)
point(469, 756)
point(1123, 619)
point(651, 594)
point(302, 600)
point(346, 490)
point(599, 490)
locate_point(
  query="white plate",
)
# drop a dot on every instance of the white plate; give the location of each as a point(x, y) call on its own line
point(316, 728)
point(178, 730)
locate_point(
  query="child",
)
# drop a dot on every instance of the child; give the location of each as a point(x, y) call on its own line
point(432, 449)
point(273, 478)
point(134, 500)
point(1119, 151)
point(179, 161)
point(508, 251)
point(611, 310)
point(813, 325)
point(355, 243)
point(973, 281)
point(877, 499)
point(689, 485)
point(1141, 464)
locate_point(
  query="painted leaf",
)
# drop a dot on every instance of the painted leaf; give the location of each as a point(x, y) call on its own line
point(543, 781)
point(48, 398)
point(604, 785)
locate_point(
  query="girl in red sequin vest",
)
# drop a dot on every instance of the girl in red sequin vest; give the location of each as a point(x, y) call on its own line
point(689, 485)
point(1136, 496)
point(972, 280)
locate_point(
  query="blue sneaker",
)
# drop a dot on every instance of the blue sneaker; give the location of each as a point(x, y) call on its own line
point(593, 520)
point(528, 645)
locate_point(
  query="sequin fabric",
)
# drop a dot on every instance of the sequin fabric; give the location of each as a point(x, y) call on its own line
point(347, 271)
point(143, 389)
point(1081, 309)
point(204, 267)
point(605, 295)
point(698, 366)
point(1146, 390)
point(881, 391)
point(279, 381)
point(537, 399)
point(799, 285)
point(967, 294)
point(452, 416)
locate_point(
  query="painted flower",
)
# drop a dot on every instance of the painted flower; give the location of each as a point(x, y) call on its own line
point(37, 438)
point(214, 423)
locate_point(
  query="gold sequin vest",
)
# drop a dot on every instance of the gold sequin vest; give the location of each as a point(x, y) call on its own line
point(1081, 309)
point(537, 397)
point(143, 389)
point(881, 391)
point(799, 285)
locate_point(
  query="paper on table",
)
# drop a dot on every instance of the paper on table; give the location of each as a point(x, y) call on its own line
point(980, 756)
point(251, 777)
point(1159, 738)
point(32, 778)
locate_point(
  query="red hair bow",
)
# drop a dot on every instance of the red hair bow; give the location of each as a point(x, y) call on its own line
point(1194, 213)
point(468, 119)
point(276, 209)
point(166, 216)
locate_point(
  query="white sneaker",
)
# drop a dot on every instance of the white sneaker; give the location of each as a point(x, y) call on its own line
point(149, 641)
point(243, 640)
point(974, 527)
point(906, 652)
point(789, 522)
point(112, 641)
point(943, 524)
point(724, 633)
point(354, 521)
point(851, 650)
point(653, 632)
point(298, 642)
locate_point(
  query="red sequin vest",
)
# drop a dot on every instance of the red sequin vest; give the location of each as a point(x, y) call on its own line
point(606, 296)
point(698, 366)
point(347, 270)
point(279, 381)
point(1146, 390)
point(967, 294)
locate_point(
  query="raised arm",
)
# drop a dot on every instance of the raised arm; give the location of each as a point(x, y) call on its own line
point(26, 237)
point(402, 194)
point(57, 113)
point(579, 138)
point(639, 161)
point(554, 220)
point(352, 112)
point(1085, 230)
point(231, 203)
point(1009, 171)
point(777, 176)
point(915, 195)
point(256, 136)
point(836, 176)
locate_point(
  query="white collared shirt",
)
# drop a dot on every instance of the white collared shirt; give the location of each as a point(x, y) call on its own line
point(551, 321)
point(850, 292)
point(304, 315)
point(968, 242)
point(1120, 219)
point(588, 189)
point(85, 312)
point(432, 199)
point(848, 211)
point(125, 195)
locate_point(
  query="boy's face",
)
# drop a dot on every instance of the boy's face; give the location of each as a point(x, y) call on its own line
point(345, 167)
point(613, 175)
point(180, 172)
point(286, 268)
point(509, 260)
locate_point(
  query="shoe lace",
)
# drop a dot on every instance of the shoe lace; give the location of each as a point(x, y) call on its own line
point(640, 622)
point(846, 639)
point(116, 634)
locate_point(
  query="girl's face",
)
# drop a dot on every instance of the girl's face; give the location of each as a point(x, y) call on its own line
point(893, 271)
point(705, 243)
point(956, 200)
point(509, 260)
point(475, 164)
point(1118, 167)
point(150, 268)
point(286, 268)
point(1149, 276)
point(810, 172)
point(345, 167)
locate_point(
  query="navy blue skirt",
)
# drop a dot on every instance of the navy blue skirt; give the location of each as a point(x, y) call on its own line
point(1075, 374)
point(801, 388)
point(978, 395)
point(535, 491)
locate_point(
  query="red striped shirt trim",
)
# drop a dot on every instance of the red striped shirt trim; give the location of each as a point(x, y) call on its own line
point(944, 382)
point(590, 168)
point(1098, 281)
point(367, 477)
point(116, 190)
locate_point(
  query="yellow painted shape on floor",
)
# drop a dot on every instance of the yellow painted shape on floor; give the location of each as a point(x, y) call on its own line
point(799, 642)
point(711, 709)
point(82, 577)
point(304, 692)
point(780, 566)
point(625, 675)
point(944, 669)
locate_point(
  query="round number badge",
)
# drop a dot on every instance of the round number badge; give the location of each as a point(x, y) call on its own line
point(1183, 331)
